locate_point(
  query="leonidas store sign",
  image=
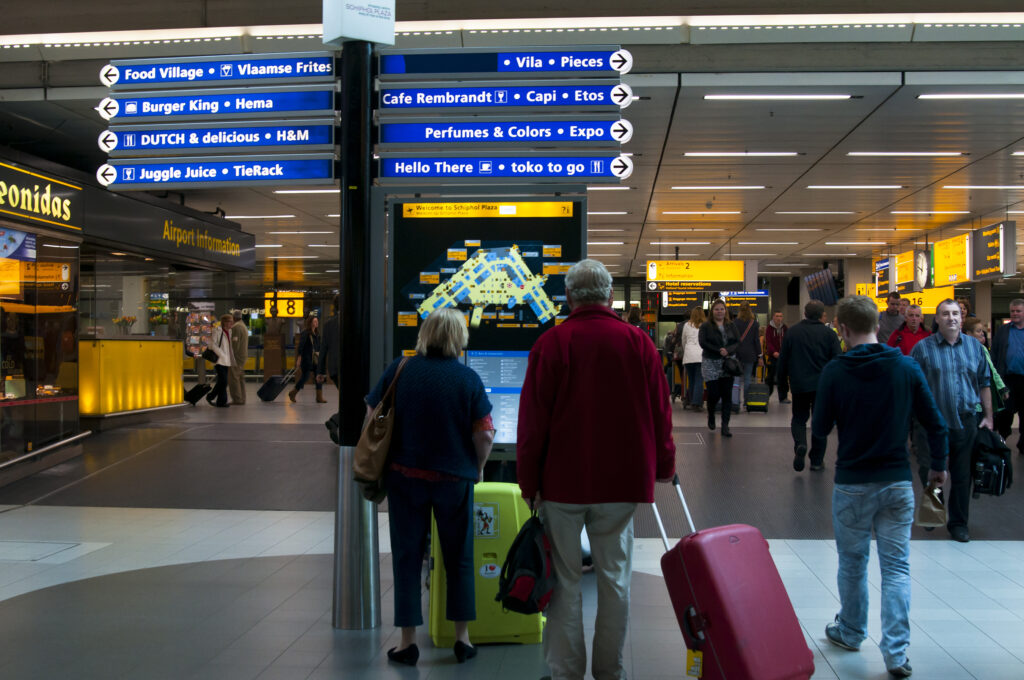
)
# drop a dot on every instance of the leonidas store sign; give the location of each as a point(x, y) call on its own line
point(35, 198)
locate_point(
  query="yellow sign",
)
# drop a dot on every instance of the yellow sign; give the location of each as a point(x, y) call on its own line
point(862, 289)
point(556, 268)
point(905, 267)
point(476, 210)
point(694, 270)
point(552, 251)
point(951, 258)
point(430, 278)
point(288, 304)
point(927, 300)
point(408, 319)
point(457, 254)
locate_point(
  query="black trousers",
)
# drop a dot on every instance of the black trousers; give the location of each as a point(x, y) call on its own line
point(803, 405)
point(720, 389)
point(1014, 405)
point(771, 378)
point(220, 388)
point(409, 504)
point(961, 446)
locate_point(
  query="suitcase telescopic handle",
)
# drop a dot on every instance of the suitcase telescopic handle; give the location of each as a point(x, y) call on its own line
point(657, 515)
point(682, 499)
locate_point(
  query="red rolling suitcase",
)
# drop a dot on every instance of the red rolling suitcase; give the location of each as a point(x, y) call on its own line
point(736, 618)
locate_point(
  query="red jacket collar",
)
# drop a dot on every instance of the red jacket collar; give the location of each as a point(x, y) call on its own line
point(593, 311)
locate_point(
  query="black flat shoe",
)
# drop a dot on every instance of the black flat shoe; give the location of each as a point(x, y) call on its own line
point(711, 420)
point(408, 656)
point(463, 651)
point(725, 431)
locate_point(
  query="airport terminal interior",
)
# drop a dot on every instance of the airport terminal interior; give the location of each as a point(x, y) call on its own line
point(785, 156)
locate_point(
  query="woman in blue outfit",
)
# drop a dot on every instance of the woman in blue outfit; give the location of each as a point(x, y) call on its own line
point(441, 439)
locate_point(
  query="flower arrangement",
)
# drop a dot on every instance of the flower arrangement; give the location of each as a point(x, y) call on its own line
point(124, 324)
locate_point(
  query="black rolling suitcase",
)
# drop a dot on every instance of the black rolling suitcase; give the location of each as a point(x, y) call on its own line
point(757, 397)
point(275, 384)
point(193, 395)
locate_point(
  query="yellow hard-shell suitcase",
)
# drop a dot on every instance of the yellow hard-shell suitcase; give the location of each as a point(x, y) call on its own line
point(499, 511)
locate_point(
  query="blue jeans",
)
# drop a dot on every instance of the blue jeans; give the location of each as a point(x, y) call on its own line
point(888, 508)
point(748, 374)
point(694, 383)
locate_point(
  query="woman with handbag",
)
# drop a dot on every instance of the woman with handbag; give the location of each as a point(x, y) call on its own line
point(440, 440)
point(749, 350)
point(306, 356)
point(719, 340)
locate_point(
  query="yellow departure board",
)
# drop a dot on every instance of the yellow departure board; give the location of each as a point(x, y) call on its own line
point(694, 270)
point(288, 304)
point(476, 210)
point(928, 299)
point(951, 258)
point(905, 267)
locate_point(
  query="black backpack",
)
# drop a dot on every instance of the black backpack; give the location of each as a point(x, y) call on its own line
point(527, 577)
point(992, 469)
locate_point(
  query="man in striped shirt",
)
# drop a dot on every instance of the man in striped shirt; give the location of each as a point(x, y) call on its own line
point(957, 372)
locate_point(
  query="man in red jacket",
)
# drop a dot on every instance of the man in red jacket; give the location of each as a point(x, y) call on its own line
point(773, 334)
point(911, 332)
point(595, 432)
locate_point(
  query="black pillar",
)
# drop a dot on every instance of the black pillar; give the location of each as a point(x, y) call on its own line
point(356, 173)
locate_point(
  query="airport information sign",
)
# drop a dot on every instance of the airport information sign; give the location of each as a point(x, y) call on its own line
point(217, 171)
point(190, 138)
point(519, 167)
point(506, 132)
point(207, 104)
point(595, 61)
point(994, 251)
point(951, 257)
point(590, 96)
point(232, 69)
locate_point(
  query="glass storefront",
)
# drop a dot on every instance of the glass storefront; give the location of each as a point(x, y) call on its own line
point(38, 340)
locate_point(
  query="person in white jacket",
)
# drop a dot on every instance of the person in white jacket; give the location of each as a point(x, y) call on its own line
point(220, 343)
point(692, 358)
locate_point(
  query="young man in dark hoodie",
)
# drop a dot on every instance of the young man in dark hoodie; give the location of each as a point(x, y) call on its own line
point(873, 488)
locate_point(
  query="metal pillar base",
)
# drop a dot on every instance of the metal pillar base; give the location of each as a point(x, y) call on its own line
point(356, 554)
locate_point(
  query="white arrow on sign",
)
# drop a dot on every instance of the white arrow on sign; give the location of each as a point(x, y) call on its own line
point(622, 131)
point(107, 141)
point(110, 74)
point(622, 167)
point(622, 95)
point(621, 61)
point(106, 175)
point(108, 108)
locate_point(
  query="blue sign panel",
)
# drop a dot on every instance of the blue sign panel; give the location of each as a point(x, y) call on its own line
point(527, 61)
point(240, 68)
point(168, 139)
point(526, 167)
point(609, 131)
point(247, 103)
point(195, 173)
point(574, 96)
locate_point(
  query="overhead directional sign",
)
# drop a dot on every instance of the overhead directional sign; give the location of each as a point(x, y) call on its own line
point(592, 61)
point(994, 251)
point(248, 103)
point(190, 138)
point(617, 95)
point(217, 171)
point(525, 167)
point(242, 68)
point(515, 132)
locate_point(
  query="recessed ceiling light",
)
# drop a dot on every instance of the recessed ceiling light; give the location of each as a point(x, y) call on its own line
point(606, 243)
point(680, 243)
point(786, 229)
point(828, 254)
point(703, 212)
point(910, 154)
point(786, 264)
point(854, 186)
point(777, 97)
point(294, 257)
point(750, 254)
point(619, 188)
point(774, 273)
point(855, 243)
point(930, 212)
point(268, 245)
point(595, 230)
point(54, 245)
point(333, 215)
point(307, 191)
point(332, 271)
point(972, 95)
point(815, 212)
point(119, 254)
point(768, 243)
point(257, 217)
point(984, 186)
point(612, 212)
point(739, 154)
point(300, 232)
point(323, 245)
point(1018, 153)
point(717, 188)
point(883, 229)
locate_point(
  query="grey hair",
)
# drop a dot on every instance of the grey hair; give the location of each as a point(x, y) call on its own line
point(917, 307)
point(237, 315)
point(588, 282)
point(1017, 302)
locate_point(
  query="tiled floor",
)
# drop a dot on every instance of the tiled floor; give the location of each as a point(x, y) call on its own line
point(136, 593)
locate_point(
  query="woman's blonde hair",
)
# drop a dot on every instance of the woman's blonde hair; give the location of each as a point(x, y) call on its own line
point(697, 317)
point(444, 332)
point(745, 313)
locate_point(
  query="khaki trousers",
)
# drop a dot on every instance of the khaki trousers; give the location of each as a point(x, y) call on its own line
point(236, 384)
point(610, 528)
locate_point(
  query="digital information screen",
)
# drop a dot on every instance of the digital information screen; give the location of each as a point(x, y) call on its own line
point(502, 373)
